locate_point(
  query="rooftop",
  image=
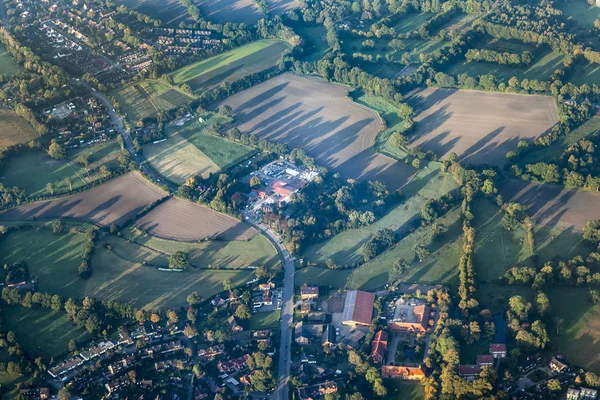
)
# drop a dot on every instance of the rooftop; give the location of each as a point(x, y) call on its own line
point(358, 307)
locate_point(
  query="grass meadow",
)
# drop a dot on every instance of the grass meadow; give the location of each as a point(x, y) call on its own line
point(14, 129)
point(8, 65)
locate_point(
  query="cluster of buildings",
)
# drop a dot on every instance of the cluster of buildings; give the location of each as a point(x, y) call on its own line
point(86, 355)
point(179, 41)
point(471, 371)
point(317, 391)
point(267, 298)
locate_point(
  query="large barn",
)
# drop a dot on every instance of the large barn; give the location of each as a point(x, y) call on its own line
point(358, 308)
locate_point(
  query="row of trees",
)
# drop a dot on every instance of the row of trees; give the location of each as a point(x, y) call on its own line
point(496, 57)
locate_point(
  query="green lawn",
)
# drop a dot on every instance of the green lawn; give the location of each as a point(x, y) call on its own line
point(170, 12)
point(411, 22)
point(34, 169)
point(316, 36)
point(402, 390)
point(554, 151)
point(232, 65)
point(147, 98)
point(585, 73)
point(581, 11)
point(496, 249)
point(265, 320)
point(8, 65)
point(53, 258)
point(344, 248)
point(42, 332)
point(14, 129)
point(552, 243)
point(495, 296)
point(219, 253)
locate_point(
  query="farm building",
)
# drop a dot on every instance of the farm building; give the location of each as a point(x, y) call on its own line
point(358, 308)
point(379, 346)
point(410, 319)
point(402, 372)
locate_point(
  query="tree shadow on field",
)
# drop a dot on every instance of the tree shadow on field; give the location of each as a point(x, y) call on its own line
point(540, 199)
point(202, 83)
point(436, 144)
point(429, 123)
point(278, 118)
point(484, 147)
point(248, 116)
point(421, 100)
point(257, 100)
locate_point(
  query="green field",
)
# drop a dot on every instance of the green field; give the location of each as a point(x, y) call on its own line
point(554, 151)
point(316, 37)
point(170, 12)
point(265, 320)
point(585, 73)
point(190, 151)
point(579, 334)
point(42, 332)
point(33, 169)
point(581, 11)
point(495, 296)
point(147, 98)
point(496, 249)
point(8, 65)
point(544, 66)
point(232, 65)
point(14, 129)
point(552, 243)
point(411, 22)
point(219, 253)
point(402, 390)
point(53, 258)
point(344, 249)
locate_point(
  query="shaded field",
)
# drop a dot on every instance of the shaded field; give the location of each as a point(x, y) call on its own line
point(244, 11)
point(170, 12)
point(579, 334)
point(147, 98)
point(8, 65)
point(34, 169)
point(14, 129)
point(496, 249)
point(553, 205)
point(410, 22)
point(115, 202)
point(403, 390)
point(232, 65)
point(556, 243)
point(42, 332)
point(585, 73)
point(183, 220)
point(265, 320)
point(119, 274)
point(554, 151)
point(221, 254)
point(344, 248)
point(481, 127)
point(52, 258)
point(189, 151)
point(495, 296)
point(581, 11)
point(306, 112)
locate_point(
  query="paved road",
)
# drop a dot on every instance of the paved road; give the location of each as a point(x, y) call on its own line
point(287, 313)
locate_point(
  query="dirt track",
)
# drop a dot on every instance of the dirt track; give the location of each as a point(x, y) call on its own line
point(481, 127)
point(115, 201)
point(553, 205)
point(182, 220)
point(309, 113)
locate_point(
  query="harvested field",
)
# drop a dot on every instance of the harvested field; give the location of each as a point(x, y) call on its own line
point(14, 129)
point(553, 205)
point(306, 112)
point(183, 220)
point(242, 10)
point(115, 202)
point(481, 127)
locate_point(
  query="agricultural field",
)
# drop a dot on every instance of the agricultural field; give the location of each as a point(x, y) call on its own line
point(481, 127)
point(554, 151)
point(14, 129)
point(553, 205)
point(344, 248)
point(115, 201)
point(170, 12)
point(182, 220)
point(34, 169)
point(120, 274)
point(578, 336)
point(234, 254)
point(232, 65)
point(8, 65)
point(52, 258)
point(496, 249)
point(317, 116)
point(190, 151)
point(147, 98)
point(556, 243)
point(42, 332)
point(410, 22)
point(585, 73)
point(244, 11)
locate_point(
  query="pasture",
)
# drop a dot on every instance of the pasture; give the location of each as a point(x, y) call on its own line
point(235, 254)
point(232, 65)
point(34, 169)
point(115, 201)
point(14, 129)
point(53, 258)
point(8, 65)
point(182, 220)
point(481, 127)
point(147, 98)
point(190, 151)
point(553, 205)
point(170, 12)
point(244, 11)
point(42, 332)
point(585, 73)
point(583, 13)
point(344, 248)
point(306, 112)
point(410, 22)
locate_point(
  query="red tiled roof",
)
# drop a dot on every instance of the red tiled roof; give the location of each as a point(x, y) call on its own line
point(485, 359)
point(358, 307)
point(469, 370)
point(497, 347)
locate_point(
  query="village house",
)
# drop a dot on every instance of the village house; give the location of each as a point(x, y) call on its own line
point(530, 363)
point(469, 371)
point(486, 360)
point(121, 365)
point(402, 372)
point(498, 350)
point(233, 326)
point(305, 332)
point(410, 319)
point(211, 352)
point(582, 394)
point(117, 384)
point(233, 365)
point(556, 365)
point(379, 346)
point(318, 391)
point(309, 292)
point(35, 394)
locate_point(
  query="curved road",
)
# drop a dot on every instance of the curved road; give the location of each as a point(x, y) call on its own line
point(287, 312)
